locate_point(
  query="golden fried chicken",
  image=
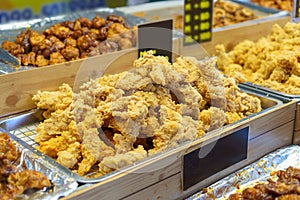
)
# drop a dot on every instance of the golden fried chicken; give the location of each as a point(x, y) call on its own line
point(269, 62)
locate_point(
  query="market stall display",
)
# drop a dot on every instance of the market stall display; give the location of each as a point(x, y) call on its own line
point(126, 131)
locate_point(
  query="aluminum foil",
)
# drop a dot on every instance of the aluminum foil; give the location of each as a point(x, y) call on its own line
point(62, 183)
point(259, 171)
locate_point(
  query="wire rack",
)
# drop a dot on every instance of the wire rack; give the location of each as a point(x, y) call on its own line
point(26, 133)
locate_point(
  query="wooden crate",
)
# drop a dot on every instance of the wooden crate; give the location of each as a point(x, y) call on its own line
point(161, 178)
point(296, 139)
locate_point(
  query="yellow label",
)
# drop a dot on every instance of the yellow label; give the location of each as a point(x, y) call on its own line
point(17, 10)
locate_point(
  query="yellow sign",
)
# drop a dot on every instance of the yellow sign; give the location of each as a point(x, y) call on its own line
point(17, 10)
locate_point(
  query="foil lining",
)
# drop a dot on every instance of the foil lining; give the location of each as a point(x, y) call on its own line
point(62, 183)
point(258, 171)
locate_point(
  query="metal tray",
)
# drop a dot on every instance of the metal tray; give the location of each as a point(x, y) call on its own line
point(168, 10)
point(63, 184)
point(23, 127)
point(258, 171)
point(10, 31)
point(271, 91)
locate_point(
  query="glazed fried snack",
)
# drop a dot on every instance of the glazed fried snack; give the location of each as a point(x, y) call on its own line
point(154, 107)
point(287, 186)
point(281, 5)
point(13, 181)
point(72, 40)
point(272, 61)
point(228, 13)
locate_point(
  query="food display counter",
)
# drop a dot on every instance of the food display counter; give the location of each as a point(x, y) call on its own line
point(102, 123)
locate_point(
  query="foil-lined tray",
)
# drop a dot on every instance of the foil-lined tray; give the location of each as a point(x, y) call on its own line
point(62, 183)
point(10, 31)
point(23, 126)
point(258, 171)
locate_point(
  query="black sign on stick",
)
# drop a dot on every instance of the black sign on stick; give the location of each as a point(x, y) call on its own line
point(156, 36)
point(296, 11)
point(225, 152)
point(197, 21)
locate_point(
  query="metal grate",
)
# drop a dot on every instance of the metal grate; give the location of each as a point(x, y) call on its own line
point(26, 133)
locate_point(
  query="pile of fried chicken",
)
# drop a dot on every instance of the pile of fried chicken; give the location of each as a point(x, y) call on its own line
point(152, 108)
point(272, 61)
point(15, 181)
point(286, 187)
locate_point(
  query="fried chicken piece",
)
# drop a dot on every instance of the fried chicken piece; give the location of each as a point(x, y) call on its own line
point(54, 100)
point(7, 148)
point(54, 125)
point(71, 156)
point(28, 179)
point(59, 142)
point(93, 150)
point(118, 161)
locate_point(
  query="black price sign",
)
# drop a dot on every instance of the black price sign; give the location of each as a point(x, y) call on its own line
point(296, 11)
point(157, 37)
point(197, 21)
point(214, 157)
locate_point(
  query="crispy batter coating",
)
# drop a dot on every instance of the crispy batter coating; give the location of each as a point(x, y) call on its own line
point(149, 109)
point(272, 61)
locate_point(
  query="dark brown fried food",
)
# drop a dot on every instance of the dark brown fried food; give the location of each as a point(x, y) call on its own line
point(286, 187)
point(71, 40)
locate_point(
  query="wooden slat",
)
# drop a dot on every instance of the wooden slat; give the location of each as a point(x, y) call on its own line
point(296, 139)
point(170, 188)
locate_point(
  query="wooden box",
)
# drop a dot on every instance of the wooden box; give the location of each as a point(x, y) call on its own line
point(296, 139)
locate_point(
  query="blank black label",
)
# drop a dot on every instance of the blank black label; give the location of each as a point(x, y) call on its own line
point(199, 165)
point(156, 36)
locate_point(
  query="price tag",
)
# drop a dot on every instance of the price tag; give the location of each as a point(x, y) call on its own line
point(296, 11)
point(231, 149)
point(197, 21)
point(156, 36)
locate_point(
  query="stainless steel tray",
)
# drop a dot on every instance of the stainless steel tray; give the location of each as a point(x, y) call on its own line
point(271, 91)
point(63, 184)
point(10, 31)
point(259, 171)
point(23, 127)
